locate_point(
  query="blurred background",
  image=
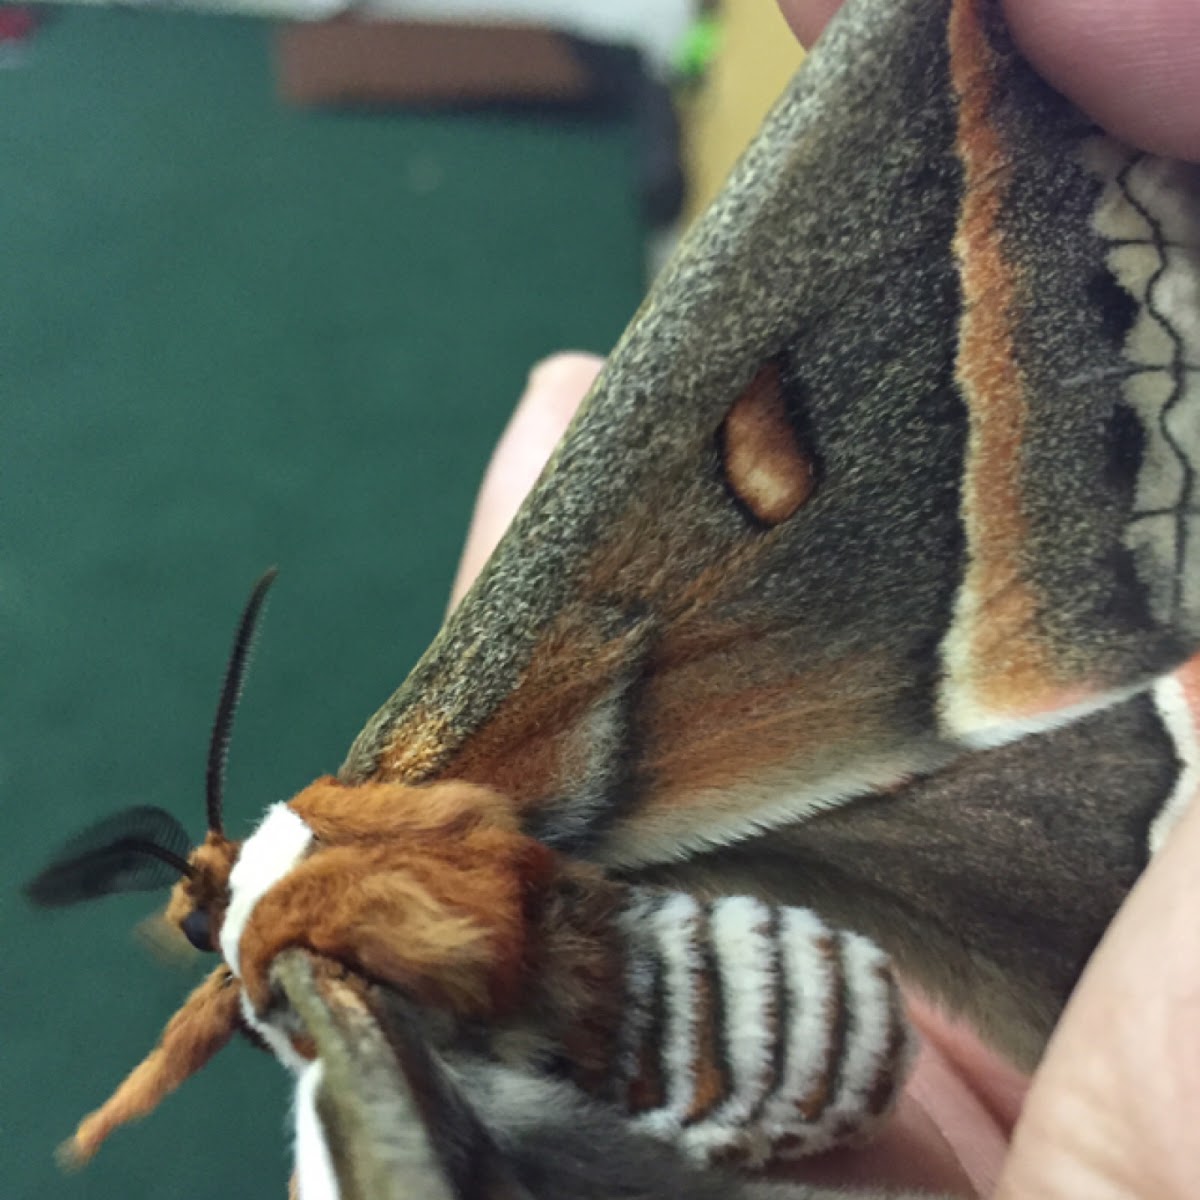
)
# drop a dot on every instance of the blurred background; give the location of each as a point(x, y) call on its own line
point(269, 290)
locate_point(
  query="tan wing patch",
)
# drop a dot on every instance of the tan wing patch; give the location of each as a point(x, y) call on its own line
point(765, 466)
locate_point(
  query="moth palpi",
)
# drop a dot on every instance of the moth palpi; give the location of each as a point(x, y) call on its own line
point(873, 538)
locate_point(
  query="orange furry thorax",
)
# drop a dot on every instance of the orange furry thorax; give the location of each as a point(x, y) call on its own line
point(429, 889)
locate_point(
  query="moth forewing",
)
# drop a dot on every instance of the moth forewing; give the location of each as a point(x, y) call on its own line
point(894, 466)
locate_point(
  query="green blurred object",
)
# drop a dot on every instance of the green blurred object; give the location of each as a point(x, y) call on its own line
point(230, 335)
point(700, 47)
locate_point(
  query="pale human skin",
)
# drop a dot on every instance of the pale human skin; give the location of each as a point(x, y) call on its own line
point(1113, 1112)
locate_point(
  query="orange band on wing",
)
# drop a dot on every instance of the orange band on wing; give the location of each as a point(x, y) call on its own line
point(995, 665)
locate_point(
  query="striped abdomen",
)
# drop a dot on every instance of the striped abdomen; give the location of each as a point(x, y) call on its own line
point(754, 1032)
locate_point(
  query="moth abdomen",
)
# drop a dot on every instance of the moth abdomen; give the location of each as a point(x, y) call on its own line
point(753, 1033)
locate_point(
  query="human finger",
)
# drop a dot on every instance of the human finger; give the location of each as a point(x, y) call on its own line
point(1113, 1108)
point(555, 389)
point(1133, 68)
point(808, 17)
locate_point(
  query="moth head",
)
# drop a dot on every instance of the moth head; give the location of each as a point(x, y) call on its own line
point(145, 849)
point(200, 896)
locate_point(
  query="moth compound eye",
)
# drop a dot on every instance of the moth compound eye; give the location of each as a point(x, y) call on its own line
point(198, 930)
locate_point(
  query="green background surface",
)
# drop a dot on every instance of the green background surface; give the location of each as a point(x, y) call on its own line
point(234, 334)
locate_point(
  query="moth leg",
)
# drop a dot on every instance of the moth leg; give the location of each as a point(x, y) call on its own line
point(208, 1019)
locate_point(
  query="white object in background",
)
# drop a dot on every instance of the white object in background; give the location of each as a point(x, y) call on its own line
point(654, 27)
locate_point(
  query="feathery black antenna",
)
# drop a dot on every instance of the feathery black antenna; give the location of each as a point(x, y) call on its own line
point(137, 850)
point(231, 691)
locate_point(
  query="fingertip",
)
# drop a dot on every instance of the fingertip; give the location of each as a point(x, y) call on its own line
point(808, 17)
point(553, 393)
point(563, 371)
point(1113, 1104)
point(1133, 68)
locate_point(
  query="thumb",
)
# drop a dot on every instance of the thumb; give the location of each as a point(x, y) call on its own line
point(1115, 1106)
point(1134, 68)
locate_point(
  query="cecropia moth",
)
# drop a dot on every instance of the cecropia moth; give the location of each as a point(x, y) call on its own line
point(864, 584)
